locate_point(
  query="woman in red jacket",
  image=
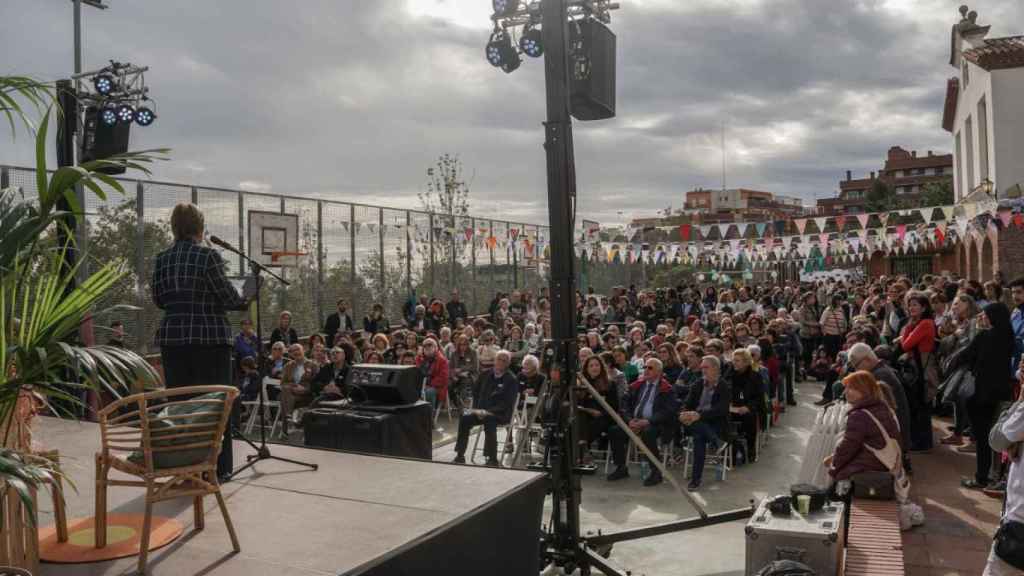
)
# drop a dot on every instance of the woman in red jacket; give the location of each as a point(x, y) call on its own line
point(917, 340)
point(871, 432)
point(433, 372)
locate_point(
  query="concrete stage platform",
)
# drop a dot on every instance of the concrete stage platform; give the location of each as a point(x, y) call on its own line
point(355, 515)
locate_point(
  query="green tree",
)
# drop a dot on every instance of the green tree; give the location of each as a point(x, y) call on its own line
point(880, 197)
point(937, 193)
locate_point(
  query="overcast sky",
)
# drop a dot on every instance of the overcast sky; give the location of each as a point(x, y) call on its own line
point(354, 99)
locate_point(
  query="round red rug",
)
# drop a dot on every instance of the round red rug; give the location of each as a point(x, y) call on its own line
point(124, 533)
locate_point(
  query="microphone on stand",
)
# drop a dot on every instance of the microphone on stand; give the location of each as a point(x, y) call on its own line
point(223, 244)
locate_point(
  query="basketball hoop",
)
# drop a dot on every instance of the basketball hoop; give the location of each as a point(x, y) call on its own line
point(286, 258)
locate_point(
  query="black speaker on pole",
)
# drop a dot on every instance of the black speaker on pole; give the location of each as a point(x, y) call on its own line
point(101, 140)
point(592, 70)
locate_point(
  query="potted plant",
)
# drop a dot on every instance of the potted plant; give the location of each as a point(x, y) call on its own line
point(42, 306)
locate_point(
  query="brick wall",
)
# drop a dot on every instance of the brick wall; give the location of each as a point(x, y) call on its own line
point(1010, 253)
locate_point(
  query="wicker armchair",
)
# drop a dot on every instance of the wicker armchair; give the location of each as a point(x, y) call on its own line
point(170, 441)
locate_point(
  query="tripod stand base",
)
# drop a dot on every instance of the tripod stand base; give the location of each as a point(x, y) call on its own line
point(262, 453)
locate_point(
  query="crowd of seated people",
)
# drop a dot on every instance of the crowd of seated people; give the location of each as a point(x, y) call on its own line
point(690, 365)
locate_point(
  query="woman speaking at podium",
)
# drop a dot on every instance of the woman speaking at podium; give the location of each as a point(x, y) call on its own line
point(190, 286)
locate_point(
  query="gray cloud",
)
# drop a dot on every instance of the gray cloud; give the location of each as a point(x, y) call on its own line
point(354, 99)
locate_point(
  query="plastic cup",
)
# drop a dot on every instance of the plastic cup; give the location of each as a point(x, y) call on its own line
point(803, 504)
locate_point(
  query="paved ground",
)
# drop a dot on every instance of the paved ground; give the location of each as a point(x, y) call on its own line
point(957, 533)
point(714, 551)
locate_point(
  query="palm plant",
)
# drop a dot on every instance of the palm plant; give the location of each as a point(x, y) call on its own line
point(42, 305)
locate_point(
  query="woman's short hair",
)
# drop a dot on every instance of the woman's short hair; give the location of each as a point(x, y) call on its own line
point(531, 360)
point(864, 382)
point(186, 221)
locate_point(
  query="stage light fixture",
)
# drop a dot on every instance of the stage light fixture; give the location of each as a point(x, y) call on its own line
point(104, 84)
point(501, 53)
point(532, 42)
point(108, 115)
point(503, 8)
point(144, 116)
point(125, 113)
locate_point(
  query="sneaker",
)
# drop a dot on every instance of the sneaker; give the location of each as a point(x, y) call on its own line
point(618, 474)
point(693, 486)
point(459, 459)
point(971, 448)
point(653, 480)
point(492, 463)
point(996, 490)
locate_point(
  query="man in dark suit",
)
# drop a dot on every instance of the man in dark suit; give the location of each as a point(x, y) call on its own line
point(706, 414)
point(494, 397)
point(194, 337)
point(339, 321)
point(649, 407)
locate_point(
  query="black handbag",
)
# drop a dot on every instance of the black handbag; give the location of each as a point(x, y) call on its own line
point(1010, 543)
point(873, 485)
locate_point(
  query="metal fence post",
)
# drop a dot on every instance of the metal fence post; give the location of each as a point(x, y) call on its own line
point(408, 254)
point(352, 248)
point(241, 233)
point(383, 262)
point(490, 251)
point(140, 263)
point(195, 195)
point(320, 261)
point(454, 239)
point(472, 264)
point(433, 287)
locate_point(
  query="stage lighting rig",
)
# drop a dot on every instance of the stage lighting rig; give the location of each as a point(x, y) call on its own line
point(532, 41)
point(501, 53)
point(119, 87)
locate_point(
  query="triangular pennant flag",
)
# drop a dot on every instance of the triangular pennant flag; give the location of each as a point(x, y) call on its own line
point(742, 227)
point(723, 230)
point(684, 232)
point(883, 217)
point(513, 233)
point(345, 226)
point(1018, 220)
point(823, 240)
point(821, 223)
point(840, 222)
point(780, 227)
point(469, 234)
point(948, 212)
point(863, 220)
point(970, 210)
point(901, 231)
point(926, 214)
point(1005, 217)
point(760, 227)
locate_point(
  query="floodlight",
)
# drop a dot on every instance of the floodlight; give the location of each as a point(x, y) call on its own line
point(125, 113)
point(501, 53)
point(144, 116)
point(104, 84)
point(108, 115)
point(532, 42)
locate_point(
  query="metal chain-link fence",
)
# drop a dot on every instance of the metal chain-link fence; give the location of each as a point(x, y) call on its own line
point(363, 253)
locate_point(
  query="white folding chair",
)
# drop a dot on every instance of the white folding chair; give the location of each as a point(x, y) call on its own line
point(505, 440)
point(720, 459)
point(272, 408)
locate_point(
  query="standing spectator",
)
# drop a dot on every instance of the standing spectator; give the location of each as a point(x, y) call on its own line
point(917, 339)
point(833, 326)
point(339, 321)
point(494, 398)
point(1007, 436)
point(284, 332)
point(706, 415)
point(809, 317)
point(456, 309)
point(989, 355)
point(1017, 319)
